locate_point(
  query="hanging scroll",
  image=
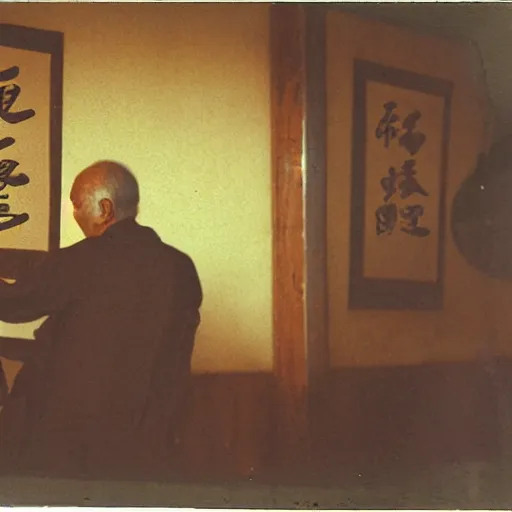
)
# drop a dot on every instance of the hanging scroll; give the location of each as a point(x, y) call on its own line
point(30, 145)
point(400, 147)
point(31, 62)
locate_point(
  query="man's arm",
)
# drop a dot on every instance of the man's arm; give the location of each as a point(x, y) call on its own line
point(191, 286)
point(38, 293)
point(192, 297)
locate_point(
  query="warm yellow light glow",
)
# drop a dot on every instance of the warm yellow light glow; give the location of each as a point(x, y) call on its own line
point(180, 93)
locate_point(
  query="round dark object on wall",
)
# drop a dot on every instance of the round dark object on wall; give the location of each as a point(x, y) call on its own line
point(481, 217)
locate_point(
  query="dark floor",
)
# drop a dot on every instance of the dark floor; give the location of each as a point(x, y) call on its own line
point(473, 486)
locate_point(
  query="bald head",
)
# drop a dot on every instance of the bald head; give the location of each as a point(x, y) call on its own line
point(103, 194)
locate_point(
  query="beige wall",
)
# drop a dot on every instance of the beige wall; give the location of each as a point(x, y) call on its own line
point(469, 319)
point(180, 93)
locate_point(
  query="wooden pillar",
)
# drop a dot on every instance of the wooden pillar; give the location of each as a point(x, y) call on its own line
point(299, 212)
point(288, 114)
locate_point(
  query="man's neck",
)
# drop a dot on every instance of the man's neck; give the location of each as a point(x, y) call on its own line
point(118, 224)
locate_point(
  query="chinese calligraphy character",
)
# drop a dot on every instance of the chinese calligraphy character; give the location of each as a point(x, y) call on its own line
point(386, 216)
point(409, 185)
point(8, 95)
point(411, 140)
point(388, 183)
point(16, 219)
point(403, 181)
point(386, 127)
point(411, 215)
point(6, 169)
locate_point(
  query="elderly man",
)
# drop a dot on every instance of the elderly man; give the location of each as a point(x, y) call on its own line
point(104, 391)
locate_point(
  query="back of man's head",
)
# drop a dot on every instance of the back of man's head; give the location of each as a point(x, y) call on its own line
point(120, 185)
point(104, 193)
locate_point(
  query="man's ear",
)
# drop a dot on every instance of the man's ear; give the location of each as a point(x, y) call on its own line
point(107, 210)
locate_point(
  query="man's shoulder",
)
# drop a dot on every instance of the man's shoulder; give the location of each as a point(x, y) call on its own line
point(178, 259)
point(74, 250)
point(175, 254)
point(69, 258)
point(185, 270)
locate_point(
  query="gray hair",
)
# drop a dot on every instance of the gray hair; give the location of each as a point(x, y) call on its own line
point(118, 184)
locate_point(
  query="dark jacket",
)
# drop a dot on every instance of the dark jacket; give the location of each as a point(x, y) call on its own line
point(108, 380)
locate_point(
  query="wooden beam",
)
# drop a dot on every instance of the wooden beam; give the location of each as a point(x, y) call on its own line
point(288, 115)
